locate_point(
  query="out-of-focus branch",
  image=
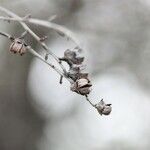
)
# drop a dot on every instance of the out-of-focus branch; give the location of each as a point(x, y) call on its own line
point(58, 28)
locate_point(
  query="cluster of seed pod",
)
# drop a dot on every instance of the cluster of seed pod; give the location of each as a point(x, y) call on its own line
point(81, 84)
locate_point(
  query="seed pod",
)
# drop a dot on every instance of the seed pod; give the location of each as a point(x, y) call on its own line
point(71, 58)
point(82, 83)
point(84, 90)
point(74, 72)
point(68, 54)
point(103, 109)
point(81, 86)
point(18, 46)
point(107, 109)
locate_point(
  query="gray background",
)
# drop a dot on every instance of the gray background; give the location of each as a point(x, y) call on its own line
point(36, 113)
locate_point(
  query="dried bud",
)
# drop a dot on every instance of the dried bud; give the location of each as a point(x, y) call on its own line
point(78, 49)
point(74, 72)
point(74, 69)
point(68, 54)
point(84, 90)
point(71, 58)
point(81, 86)
point(103, 109)
point(78, 60)
point(83, 75)
point(83, 82)
point(18, 46)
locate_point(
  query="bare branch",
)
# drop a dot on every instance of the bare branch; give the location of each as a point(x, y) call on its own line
point(47, 24)
point(79, 81)
point(33, 34)
point(34, 53)
point(7, 36)
point(87, 98)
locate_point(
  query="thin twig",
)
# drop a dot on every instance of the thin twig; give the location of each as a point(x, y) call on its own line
point(87, 98)
point(46, 24)
point(8, 12)
point(7, 36)
point(34, 53)
point(41, 58)
point(23, 35)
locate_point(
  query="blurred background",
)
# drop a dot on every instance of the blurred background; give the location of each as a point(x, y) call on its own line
point(37, 113)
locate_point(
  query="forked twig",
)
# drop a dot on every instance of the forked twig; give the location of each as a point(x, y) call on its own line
point(34, 53)
point(11, 14)
point(46, 24)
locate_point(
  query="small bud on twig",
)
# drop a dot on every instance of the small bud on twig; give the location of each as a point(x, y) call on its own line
point(71, 58)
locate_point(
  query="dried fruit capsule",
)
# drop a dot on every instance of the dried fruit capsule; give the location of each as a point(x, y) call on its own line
point(82, 82)
point(107, 109)
point(71, 58)
point(81, 86)
point(103, 109)
point(84, 90)
point(18, 47)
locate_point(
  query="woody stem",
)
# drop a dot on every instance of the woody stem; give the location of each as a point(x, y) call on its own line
point(8, 12)
point(87, 98)
point(33, 52)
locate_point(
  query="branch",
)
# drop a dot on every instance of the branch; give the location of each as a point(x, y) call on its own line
point(9, 13)
point(7, 36)
point(87, 98)
point(47, 24)
point(34, 53)
point(81, 84)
